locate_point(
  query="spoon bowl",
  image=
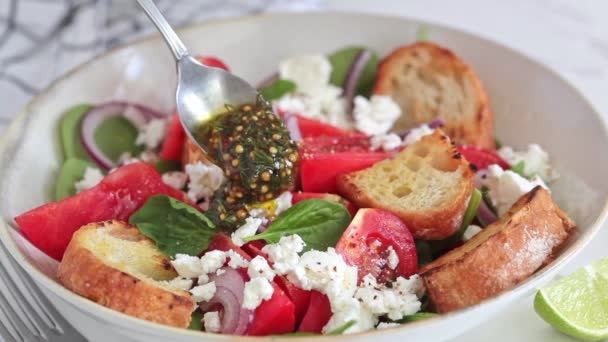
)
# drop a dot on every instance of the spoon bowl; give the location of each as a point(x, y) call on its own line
point(202, 91)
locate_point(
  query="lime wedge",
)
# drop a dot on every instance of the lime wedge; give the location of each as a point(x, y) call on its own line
point(577, 305)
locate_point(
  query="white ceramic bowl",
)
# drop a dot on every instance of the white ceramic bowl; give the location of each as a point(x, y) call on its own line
point(532, 104)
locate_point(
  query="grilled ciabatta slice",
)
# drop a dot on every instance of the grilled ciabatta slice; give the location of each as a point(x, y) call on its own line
point(113, 264)
point(429, 81)
point(501, 256)
point(428, 185)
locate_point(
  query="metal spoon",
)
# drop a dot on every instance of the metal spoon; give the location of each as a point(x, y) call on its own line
point(201, 90)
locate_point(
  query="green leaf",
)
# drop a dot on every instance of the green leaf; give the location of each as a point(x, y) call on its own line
point(115, 136)
point(423, 33)
point(277, 89)
point(163, 166)
point(417, 317)
point(176, 227)
point(343, 328)
point(425, 252)
point(318, 222)
point(197, 321)
point(471, 211)
point(519, 168)
point(71, 172)
point(341, 63)
point(296, 334)
point(498, 143)
point(69, 131)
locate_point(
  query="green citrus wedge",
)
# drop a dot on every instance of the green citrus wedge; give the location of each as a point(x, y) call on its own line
point(577, 305)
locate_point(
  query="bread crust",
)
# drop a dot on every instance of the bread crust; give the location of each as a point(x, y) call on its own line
point(501, 256)
point(432, 224)
point(476, 126)
point(84, 273)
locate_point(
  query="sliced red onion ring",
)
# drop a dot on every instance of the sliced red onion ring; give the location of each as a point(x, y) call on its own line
point(135, 113)
point(268, 80)
point(485, 214)
point(291, 123)
point(229, 293)
point(434, 124)
point(352, 78)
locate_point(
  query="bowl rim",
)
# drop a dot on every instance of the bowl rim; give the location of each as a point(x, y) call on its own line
point(127, 322)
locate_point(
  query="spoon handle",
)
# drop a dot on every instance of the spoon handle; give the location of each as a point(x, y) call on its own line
point(175, 44)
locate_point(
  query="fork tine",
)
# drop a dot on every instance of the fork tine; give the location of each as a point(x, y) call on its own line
point(7, 321)
point(29, 294)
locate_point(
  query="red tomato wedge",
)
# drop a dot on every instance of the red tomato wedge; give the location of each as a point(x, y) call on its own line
point(324, 158)
point(274, 316)
point(482, 157)
point(213, 62)
point(173, 144)
point(301, 196)
point(366, 241)
point(51, 226)
point(317, 315)
point(254, 248)
point(315, 128)
point(300, 298)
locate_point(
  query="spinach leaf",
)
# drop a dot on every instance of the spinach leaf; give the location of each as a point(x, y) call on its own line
point(277, 89)
point(417, 317)
point(115, 136)
point(164, 165)
point(197, 321)
point(71, 172)
point(318, 222)
point(425, 252)
point(519, 168)
point(341, 63)
point(423, 33)
point(471, 211)
point(298, 334)
point(343, 328)
point(176, 227)
point(69, 131)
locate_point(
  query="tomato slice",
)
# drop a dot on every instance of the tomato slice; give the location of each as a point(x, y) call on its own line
point(315, 128)
point(300, 298)
point(356, 142)
point(222, 242)
point(301, 196)
point(174, 140)
point(254, 248)
point(213, 62)
point(317, 315)
point(50, 227)
point(482, 157)
point(366, 241)
point(274, 316)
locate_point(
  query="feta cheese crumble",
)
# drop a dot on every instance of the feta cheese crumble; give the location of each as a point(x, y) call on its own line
point(308, 72)
point(284, 254)
point(535, 159)
point(204, 180)
point(203, 293)
point(386, 325)
point(152, 133)
point(258, 267)
point(92, 177)
point(187, 266)
point(251, 226)
point(385, 142)
point(211, 322)
point(376, 115)
point(236, 260)
point(393, 258)
point(283, 202)
point(212, 261)
point(256, 290)
point(506, 187)
point(175, 179)
point(417, 133)
point(471, 231)
point(178, 283)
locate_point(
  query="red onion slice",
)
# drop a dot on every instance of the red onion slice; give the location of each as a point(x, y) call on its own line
point(230, 287)
point(268, 80)
point(136, 114)
point(485, 214)
point(352, 78)
point(292, 125)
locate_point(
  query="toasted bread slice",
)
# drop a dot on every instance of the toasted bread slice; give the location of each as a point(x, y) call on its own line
point(428, 185)
point(113, 264)
point(501, 256)
point(429, 81)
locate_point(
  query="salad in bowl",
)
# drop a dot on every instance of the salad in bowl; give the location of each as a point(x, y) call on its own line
point(359, 192)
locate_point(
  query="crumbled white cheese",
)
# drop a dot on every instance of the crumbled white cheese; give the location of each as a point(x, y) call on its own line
point(92, 177)
point(202, 279)
point(175, 179)
point(220, 271)
point(471, 231)
point(284, 254)
point(351, 309)
point(376, 115)
point(236, 260)
point(204, 180)
point(395, 302)
point(152, 133)
point(386, 325)
point(258, 267)
point(187, 266)
point(203, 293)
point(149, 156)
point(307, 72)
point(387, 142)
point(179, 283)
point(211, 322)
point(212, 261)
point(248, 229)
point(256, 290)
point(393, 258)
point(535, 159)
point(324, 104)
point(258, 212)
point(506, 187)
point(283, 202)
point(417, 133)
